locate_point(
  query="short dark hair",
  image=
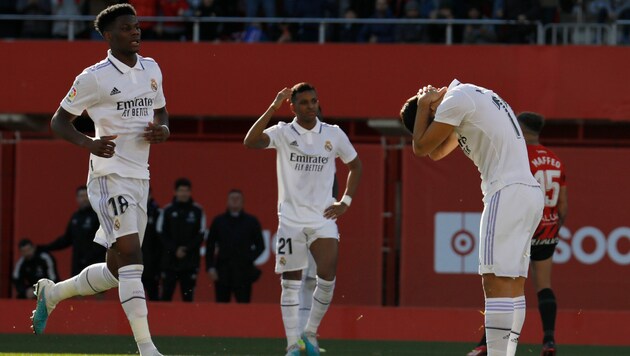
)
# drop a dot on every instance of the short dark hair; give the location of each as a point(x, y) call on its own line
point(183, 182)
point(234, 190)
point(106, 17)
point(300, 88)
point(408, 113)
point(80, 188)
point(25, 242)
point(532, 121)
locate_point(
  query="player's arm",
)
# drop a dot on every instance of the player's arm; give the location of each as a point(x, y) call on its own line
point(354, 176)
point(437, 136)
point(158, 131)
point(255, 137)
point(61, 125)
point(563, 205)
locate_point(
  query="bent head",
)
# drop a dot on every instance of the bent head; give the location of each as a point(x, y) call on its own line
point(120, 28)
point(304, 102)
point(410, 109)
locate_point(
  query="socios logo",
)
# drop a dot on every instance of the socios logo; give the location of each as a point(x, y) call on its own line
point(578, 245)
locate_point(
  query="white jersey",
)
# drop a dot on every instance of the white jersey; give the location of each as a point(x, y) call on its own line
point(488, 134)
point(120, 100)
point(305, 165)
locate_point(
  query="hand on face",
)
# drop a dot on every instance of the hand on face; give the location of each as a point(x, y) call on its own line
point(431, 97)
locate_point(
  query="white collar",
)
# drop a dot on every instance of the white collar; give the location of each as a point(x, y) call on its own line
point(300, 130)
point(122, 67)
point(453, 84)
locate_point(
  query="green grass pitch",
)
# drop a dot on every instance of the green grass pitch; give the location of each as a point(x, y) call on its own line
point(123, 345)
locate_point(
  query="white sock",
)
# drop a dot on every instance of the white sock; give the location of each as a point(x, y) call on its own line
point(517, 324)
point(306, 301)
point(321, 300)
point(93, 279)
point(499, 316)
point(290, 304)
point(131, 293)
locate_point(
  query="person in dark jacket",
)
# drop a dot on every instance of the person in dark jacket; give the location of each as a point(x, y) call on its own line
point(181, 227)
point(234, 242)
point(79, 234)
point(30, 268)
point(152, 252)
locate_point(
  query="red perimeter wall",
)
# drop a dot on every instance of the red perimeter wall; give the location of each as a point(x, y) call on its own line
point(48, 173)
point(354, 81)
point(591, 261)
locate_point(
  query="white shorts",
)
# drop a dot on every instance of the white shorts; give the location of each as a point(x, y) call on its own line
point(508, 222)
point(293, 243)
point(121, 206)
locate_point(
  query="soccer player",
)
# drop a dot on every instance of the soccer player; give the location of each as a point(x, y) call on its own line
point(549, 172)
point(305, 163)
point(123, 96)
point(485, 128)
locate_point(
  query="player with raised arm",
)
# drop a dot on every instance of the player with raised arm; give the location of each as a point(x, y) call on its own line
point(123, 96)
point(305, 164)
point(548, 170)
point(484, 126)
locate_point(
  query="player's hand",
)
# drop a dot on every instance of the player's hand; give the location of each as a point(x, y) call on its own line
point(283, 95)
point(335, 211)
point(103, 146)
point(156, 133)
point(213, 275)
point(429, 95)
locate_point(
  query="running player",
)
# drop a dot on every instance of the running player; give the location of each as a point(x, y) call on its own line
point(485, 128)
point(549, 172)
point(123, 96)
point(305, 163)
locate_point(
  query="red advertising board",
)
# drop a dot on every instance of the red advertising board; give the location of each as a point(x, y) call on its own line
point(48, 173)
point(442, 203)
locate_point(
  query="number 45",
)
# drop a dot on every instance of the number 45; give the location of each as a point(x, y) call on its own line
point(549, 185)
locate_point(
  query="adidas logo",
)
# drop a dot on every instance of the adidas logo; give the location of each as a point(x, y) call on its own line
point(114, 91)
point(294, 143)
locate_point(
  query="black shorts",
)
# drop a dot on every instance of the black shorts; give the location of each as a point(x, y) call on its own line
point(542, 251)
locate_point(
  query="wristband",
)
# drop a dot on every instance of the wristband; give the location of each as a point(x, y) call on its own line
point(168, 131)
point(346, 200)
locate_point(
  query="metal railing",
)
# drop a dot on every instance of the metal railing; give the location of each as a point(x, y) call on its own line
point(323, 23)
point(554, 33)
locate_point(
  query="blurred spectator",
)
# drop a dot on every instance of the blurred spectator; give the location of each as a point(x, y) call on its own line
point(349, 32)
point(623, 13)
point(253, 33)
point(254, 6)
point(309, 9)
point(181, 227)
point(172, 30)
point(477, 34)
point(523, 11)
point(208, 31)
point(9, 29)
point(34, 28)
point(234, 242)
point(549, 11)
point(443, 10)
point(79, 234)
point(379, 33)
point(67, 8)
point(30, 268)
point(600, 11)
point(152, 251)
point(410, 33)
point(146, 8)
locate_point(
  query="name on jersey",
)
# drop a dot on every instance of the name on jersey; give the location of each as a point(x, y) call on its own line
point(546, 160)
point(308, 163)
point(135, 107)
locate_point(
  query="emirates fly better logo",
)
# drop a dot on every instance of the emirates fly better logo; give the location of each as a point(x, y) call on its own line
point(457, 243)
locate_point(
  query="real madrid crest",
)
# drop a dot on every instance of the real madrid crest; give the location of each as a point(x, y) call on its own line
point(283, 261)
point(328, 146)
point(154, 85)
point(116, 224)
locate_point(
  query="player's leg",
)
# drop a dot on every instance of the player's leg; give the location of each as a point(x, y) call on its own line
point(188, 282)
point(222, 291)
point(508, 222)
point(547, 306)
point(291, 259)
point(243, 292)
point(309, 282)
